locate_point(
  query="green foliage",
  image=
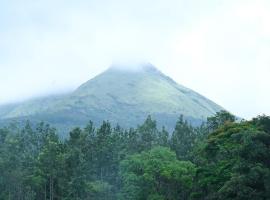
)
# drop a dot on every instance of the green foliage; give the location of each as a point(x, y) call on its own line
point(262, 122)
point(183, 138)
point(156, 174)
point(235, 164)
point(227, 162)
point(222, 117)
point(120, 96)
point(148, 134)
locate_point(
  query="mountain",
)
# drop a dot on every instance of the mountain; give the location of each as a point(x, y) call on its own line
point(121, 96)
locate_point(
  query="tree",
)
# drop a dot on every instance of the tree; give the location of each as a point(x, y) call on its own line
point(75, 165)
point(234, 164)
point(262, 122)
point(183, 139)
point(49, 167)
point(148, 133)
point(219, 119)
point(163, 138)
point(156, 174)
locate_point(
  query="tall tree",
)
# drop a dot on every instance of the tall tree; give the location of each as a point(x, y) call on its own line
point(182, 139)
point(148, 133)
point(50, 164)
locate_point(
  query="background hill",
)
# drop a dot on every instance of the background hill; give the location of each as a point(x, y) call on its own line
point(121, 96)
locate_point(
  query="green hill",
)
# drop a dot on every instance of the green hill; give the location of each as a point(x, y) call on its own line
point(121, 96)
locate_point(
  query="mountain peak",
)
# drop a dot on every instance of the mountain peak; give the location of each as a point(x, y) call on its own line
point(133, 67)
point(124, 94)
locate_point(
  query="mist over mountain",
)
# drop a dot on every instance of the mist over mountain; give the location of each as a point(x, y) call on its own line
point(122, 95)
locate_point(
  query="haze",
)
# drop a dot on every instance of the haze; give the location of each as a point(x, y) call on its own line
point(217, 48)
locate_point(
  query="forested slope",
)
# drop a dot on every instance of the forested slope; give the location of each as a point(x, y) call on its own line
point(220, 160)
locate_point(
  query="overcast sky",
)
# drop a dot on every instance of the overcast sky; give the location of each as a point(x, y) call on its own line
point(219, 48)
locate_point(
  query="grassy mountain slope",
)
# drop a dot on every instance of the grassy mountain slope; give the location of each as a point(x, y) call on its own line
point(121, 96)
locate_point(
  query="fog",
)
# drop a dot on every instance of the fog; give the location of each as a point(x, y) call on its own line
point(217, 48)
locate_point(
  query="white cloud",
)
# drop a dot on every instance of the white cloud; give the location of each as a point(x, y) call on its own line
point(224, 56)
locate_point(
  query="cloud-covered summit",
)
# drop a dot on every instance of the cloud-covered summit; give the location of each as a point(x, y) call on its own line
point(51, 46)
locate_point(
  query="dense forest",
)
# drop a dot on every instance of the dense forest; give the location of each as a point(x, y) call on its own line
point(223, 159)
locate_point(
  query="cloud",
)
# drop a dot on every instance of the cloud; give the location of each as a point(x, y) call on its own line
point(218, 48)
point(226, 55)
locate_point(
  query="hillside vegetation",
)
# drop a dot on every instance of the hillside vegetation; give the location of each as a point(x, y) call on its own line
point(220, 160)
point(121, 96)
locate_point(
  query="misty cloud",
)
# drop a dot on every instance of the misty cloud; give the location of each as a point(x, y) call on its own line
point(218, 48)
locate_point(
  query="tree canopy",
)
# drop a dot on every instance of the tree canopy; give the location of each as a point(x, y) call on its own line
point(222, 159)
